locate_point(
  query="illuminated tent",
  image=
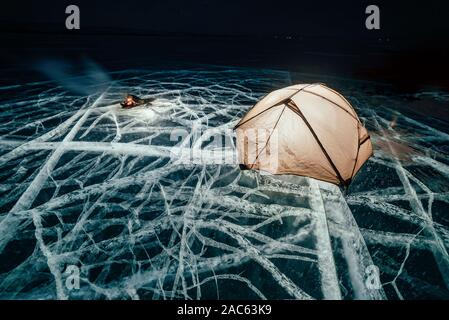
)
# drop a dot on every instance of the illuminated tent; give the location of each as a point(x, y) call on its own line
point(307, 130)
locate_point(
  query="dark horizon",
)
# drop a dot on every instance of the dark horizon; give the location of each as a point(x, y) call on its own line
point(331, 38)
point(412, 23)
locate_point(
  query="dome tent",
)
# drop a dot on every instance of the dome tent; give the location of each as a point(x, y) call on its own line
point(307, 130)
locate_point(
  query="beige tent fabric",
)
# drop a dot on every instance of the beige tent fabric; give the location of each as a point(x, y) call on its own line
point(308, 130)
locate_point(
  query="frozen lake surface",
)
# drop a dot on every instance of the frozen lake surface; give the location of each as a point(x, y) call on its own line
point(141, 214)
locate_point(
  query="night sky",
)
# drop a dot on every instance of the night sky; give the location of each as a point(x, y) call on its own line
point(402, 19)
point(323, 36)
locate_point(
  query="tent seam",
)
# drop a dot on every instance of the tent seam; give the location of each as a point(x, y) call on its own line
point(268, 140)
point(276, 105)
point(334, 103)
point(323, 150)
point(358, 150)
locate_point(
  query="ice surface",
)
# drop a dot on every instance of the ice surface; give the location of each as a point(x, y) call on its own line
point(147, 204)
